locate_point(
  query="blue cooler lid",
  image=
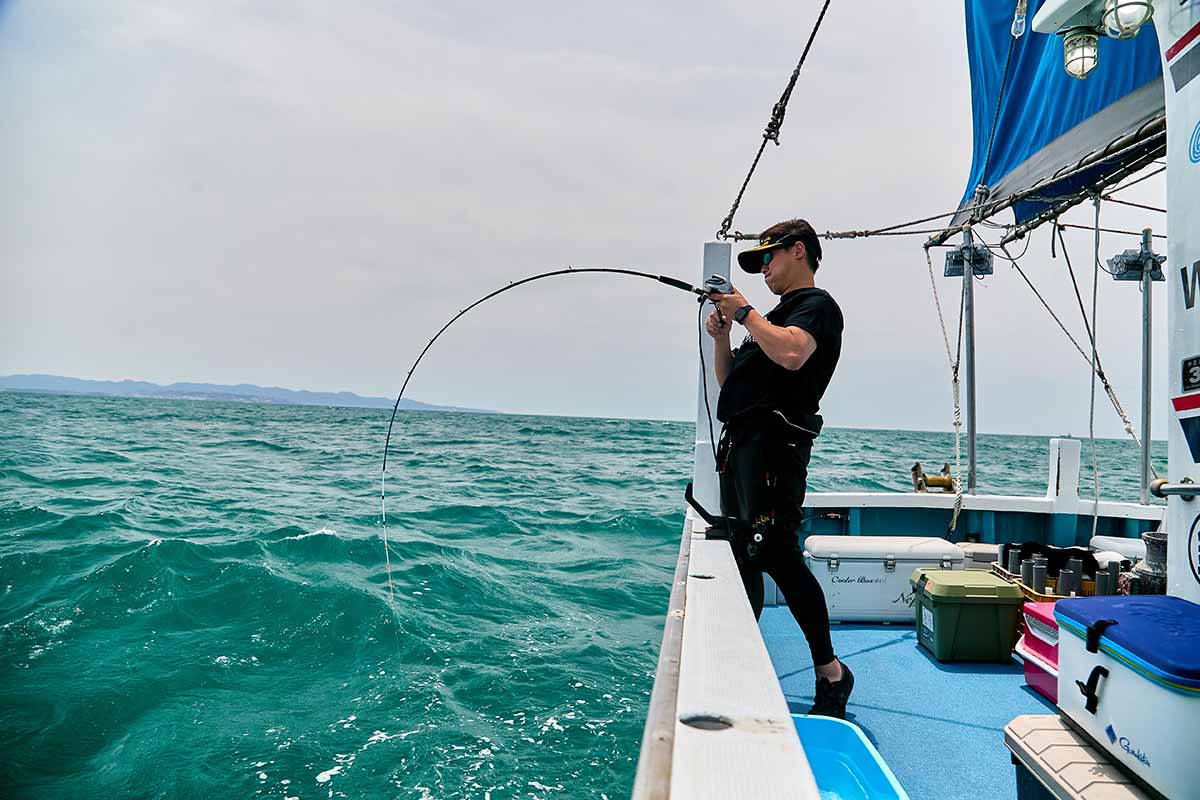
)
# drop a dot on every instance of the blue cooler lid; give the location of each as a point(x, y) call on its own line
point(1157, 635)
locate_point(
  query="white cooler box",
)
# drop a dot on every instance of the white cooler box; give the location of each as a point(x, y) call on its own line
point(865, 578)
point(1129, 679)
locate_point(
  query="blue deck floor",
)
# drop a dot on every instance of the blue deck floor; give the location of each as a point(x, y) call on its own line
point(940, 727)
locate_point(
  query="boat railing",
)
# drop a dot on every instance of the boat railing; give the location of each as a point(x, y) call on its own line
point(718, 724)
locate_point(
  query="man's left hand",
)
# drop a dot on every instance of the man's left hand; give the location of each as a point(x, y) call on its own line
point(728, 303)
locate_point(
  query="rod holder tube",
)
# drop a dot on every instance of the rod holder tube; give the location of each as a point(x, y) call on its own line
point(1039, 576)
point(1066, 583)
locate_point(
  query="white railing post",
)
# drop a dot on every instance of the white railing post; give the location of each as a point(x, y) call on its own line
point(1063, 482)
point(704, 477)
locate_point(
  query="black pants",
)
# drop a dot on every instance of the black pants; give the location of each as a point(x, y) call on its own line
point(763, 482)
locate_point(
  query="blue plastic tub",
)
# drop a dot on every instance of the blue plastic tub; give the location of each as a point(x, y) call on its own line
point(844, 762)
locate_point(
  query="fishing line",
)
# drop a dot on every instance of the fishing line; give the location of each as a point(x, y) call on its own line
point(669, 281)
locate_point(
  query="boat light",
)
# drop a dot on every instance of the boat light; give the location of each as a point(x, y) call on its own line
point(1124, 18)
point(1081, 52)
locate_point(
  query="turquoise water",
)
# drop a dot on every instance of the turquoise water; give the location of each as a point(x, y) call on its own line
point(194, 600)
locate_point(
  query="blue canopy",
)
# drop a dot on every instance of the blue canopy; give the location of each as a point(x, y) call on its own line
point(1048, 120)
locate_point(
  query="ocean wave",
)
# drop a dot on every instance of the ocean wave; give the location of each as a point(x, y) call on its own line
point(217, 618)
point(248, 442)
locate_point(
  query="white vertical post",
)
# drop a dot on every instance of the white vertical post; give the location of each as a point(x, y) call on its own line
point(1174, 21)
point(1062, 485)
point(705, 485)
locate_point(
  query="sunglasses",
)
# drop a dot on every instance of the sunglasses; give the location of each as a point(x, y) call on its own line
point(767, 256)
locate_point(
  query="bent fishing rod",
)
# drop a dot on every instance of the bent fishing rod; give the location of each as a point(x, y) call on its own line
point(715, 284)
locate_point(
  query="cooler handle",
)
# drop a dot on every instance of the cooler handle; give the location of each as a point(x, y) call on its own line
point(1088, 690)
point(1095, 631)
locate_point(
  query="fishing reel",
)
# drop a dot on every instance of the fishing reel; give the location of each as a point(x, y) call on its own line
point(716, 284)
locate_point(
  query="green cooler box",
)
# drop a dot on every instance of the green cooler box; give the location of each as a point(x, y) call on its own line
point(966, 615)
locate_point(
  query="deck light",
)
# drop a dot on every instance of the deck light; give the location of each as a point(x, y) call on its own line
point(1124, 18)
point(1081, 52)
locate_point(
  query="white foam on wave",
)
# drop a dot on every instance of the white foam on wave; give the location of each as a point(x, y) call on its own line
point(322, 531)
point(327, 774)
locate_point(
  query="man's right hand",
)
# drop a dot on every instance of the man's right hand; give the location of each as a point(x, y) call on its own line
point(718, 327)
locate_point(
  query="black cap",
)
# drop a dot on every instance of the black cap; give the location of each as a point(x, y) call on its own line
point(785, 234)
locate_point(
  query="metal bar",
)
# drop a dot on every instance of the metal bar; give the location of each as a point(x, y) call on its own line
point(1106, 230)
point(1147, 332)
point(1108, 198)
point(653, 781)
point(969, 325)
point(1186, 489)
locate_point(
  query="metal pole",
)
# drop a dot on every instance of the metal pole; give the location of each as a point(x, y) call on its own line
point(969, 325)
point(1147, 282)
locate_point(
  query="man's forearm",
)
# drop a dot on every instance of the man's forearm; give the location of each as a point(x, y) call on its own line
point(723, 359)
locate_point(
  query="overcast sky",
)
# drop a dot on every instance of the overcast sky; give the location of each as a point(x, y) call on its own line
point(301, 193)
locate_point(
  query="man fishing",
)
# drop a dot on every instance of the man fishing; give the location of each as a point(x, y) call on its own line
point(771, 388)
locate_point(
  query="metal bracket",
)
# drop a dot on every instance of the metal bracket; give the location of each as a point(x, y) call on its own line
point(1186, 489)
point(977, 255)
point(1128, 266)
point(833, 564)
point(947, 564)
point(889, 564)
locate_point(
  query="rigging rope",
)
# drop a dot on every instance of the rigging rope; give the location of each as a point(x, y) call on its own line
point(771, 134)
point(987, 159)
point(1097, 369)
point(1145, 177)
point(887, 230)
point(953, 360)
point(1108, 388)
point(712, 439)
point(1045, 305)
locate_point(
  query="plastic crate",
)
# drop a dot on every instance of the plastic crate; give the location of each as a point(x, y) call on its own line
point(965, 615)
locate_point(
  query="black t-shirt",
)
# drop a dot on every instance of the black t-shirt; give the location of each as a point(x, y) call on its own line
point(757, 384)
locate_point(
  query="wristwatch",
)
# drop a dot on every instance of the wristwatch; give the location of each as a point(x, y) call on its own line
point(740, 315)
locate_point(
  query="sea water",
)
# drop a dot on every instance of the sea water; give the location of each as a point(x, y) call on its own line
point(194, 601)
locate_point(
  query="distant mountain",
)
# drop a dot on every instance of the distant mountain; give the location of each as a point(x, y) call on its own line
point(242, 393)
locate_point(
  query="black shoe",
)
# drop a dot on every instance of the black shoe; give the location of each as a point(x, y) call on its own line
point(832, 696)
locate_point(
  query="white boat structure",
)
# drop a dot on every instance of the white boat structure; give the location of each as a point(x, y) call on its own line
point(722, 721)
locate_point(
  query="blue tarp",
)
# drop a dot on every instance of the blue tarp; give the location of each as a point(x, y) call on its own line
point(1042, 102)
